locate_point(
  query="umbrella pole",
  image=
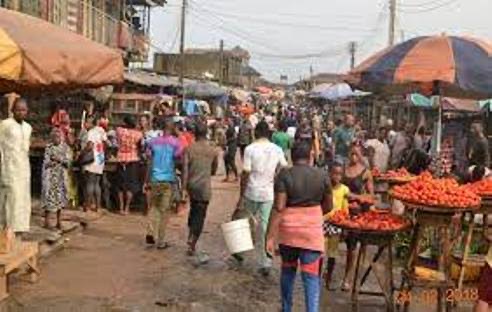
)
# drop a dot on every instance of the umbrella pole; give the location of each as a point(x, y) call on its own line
point(439, 125)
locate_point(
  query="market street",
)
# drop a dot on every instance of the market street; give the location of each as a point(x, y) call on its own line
point(108, 268)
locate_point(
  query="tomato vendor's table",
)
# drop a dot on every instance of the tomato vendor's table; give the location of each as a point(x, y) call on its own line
point(441, 219)
point(464, 260)
point(383, 185)
point(384, 242)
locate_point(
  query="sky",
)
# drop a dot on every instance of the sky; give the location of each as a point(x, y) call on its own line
point(289, 37)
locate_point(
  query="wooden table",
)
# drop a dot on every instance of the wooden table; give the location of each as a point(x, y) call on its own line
point(464, 261)
point(384, 241)
point(440, 219)
point(22, 253)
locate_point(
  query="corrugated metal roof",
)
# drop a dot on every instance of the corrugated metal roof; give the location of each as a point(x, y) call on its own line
point(150, 79)
point(150, 3)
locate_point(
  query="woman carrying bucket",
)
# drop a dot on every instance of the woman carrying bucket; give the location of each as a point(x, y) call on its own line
point(302, 196)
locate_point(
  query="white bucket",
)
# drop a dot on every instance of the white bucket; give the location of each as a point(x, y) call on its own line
point(237, 235)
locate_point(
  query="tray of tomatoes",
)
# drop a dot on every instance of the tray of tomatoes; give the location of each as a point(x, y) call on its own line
point(428, 192)
point(372, 221)
point(394, 176)
point(482, 188)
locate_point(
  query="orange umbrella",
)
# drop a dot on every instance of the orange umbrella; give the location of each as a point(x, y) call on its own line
point(461, 66)
point(36, 54)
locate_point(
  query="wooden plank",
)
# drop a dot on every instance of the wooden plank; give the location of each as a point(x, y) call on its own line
point(3, 284)
point(20, 254)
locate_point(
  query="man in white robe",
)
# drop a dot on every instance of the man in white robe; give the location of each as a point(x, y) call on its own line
point(15, 174)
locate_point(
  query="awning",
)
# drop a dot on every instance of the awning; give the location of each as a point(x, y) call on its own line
point(448, 104)
point(35, 54)
point(150, 79)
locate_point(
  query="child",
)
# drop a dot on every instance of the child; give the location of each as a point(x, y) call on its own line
point(54, 189)
point(332, 234)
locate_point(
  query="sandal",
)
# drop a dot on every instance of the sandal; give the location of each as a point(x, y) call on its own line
point(345, 286)
point(163, 246)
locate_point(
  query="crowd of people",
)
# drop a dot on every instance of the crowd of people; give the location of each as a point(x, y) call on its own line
point(298, 167)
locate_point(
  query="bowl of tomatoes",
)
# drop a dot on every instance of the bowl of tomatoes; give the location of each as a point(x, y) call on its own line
point(375, 221)
point(427, 191)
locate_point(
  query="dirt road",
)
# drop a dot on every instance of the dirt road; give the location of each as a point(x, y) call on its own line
point(108, 268)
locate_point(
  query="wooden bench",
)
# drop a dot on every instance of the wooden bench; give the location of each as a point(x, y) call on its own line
point(22, 253)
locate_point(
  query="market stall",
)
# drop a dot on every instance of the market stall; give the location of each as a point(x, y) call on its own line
point(439, 66)
point(434, 204)
point(36, 56)
point(372, 228)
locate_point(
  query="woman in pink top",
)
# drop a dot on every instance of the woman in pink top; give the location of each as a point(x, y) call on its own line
point(128, 182)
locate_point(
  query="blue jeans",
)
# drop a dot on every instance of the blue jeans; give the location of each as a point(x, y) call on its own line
point(310, 264)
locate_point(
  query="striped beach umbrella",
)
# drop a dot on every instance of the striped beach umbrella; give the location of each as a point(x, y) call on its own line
point(460, 66)
point(35, 54)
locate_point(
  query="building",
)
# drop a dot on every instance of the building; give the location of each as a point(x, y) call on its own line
point(206, 63)
point(250, 77)
point(120, 24)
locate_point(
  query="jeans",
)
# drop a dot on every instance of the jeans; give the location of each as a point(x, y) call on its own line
point(262, 210)
point(92, 189)
point(160, 210)
point(310, 264)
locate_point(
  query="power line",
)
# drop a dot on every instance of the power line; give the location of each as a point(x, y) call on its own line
point(230, 31)
point(328, 52)
point(272, 22)
point(420, 5)
point(430, 9)
point(334, 51)
point(298, 14)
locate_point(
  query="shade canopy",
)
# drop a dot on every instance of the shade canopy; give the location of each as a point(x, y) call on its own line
point(203, 89)
point(335, 92)
point(459, 66)
point(448, 104)
point(36, 54)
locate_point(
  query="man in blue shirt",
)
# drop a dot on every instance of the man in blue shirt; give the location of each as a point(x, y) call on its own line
point(161, 172)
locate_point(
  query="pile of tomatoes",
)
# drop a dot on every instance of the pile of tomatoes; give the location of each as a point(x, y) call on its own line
point(394, 174)
point(426, 190)
point(482, 188)
point(370, 220)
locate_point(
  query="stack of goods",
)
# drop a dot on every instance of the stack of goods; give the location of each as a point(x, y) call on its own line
point(369, 221)
point(442, 164)
point(445, 193)
point(482, 188)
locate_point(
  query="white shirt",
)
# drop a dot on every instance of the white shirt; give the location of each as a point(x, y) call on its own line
point(14, 150)
point(381, 155)
point(270, 121)
point(261, 159)
point(97, 136)
point(291, 131)
point(254, 120)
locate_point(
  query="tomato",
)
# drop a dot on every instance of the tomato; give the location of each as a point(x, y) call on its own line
point(437, 192)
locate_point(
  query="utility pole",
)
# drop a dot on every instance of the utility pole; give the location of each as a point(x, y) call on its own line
point(221, 63)
point(352, 49)
point(182, 48)
point(392, 22)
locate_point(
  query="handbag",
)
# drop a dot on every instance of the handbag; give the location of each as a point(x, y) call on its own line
point(85, 158)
